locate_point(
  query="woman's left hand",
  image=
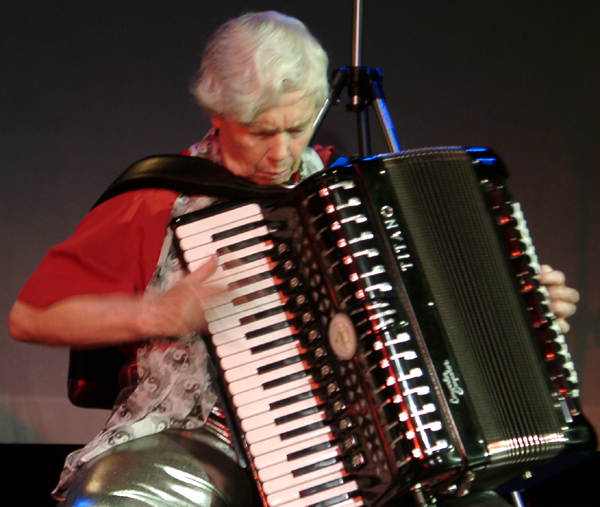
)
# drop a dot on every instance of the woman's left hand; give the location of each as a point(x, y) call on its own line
point(563, 299)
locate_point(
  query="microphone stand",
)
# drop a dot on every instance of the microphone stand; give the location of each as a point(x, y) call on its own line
point(365, 89)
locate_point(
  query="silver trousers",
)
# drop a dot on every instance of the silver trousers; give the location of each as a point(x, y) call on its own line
point(168, 469)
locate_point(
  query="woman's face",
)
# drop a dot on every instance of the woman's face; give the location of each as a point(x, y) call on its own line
point(267, 150)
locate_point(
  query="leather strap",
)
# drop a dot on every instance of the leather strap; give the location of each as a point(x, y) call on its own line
point(188, 175)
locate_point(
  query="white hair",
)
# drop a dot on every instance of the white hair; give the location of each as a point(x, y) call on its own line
point(251, 61)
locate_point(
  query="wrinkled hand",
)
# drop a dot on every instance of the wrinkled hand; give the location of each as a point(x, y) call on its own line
point(179, 308)
point(563, 299)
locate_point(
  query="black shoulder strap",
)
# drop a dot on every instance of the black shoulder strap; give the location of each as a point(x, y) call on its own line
point(189, 175)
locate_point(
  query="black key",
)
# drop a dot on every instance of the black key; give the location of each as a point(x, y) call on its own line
point(310, 450)
point(242, 244)
point(297, 415)
point(273, 344)
point(322, 487)
point(304, 429)
point(316, 466)
point(234, 231)
point(280, 364)
point(244, 260)
point(284, 380)
point(262, 315)
point(293, 399)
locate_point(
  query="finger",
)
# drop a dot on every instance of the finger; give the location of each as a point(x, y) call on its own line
point(205, 271)
point(564, 325)
point(563, 293)
point(552, 277)
point(562, 309)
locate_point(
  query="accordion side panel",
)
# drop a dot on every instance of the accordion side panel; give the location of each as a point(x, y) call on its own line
point(471, 285)
point(458, 260)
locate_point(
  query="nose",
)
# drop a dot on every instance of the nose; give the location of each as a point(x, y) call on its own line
point(279, 147)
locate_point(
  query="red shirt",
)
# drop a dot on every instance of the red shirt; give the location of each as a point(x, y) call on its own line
point(115, 248)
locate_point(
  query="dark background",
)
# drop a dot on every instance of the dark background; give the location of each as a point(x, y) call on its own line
point(87, 87)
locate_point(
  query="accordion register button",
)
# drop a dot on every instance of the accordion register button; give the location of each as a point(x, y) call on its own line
point(335, 408)
point(322, 372)
point(349, 443)
point(355, 462)
point(343, 426)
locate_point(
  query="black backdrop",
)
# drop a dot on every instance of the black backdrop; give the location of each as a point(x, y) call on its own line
point(88, 87)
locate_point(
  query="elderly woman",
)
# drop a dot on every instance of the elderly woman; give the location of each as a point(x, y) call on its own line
point(263, 79)
point(116, 281)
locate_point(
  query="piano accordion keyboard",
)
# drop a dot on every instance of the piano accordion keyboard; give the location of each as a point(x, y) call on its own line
point(260, 327)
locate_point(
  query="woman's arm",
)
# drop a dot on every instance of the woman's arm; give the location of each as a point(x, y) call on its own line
point(111, 319)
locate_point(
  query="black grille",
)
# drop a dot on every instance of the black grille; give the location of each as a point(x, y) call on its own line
point(467, 271)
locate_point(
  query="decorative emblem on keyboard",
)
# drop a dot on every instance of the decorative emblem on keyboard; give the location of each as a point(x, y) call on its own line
point(452, 383)
point(342, 337)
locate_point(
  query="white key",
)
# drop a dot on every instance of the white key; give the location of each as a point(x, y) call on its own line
point(225, 217)
point(321, 496)
point(288, 467)
point(245, 252)
point(248, 357)
point(235, 273)
point(280, 456)
point(228, 309)
point(262, 406)
point(276, 443)
point(236, 286)
point(244, 345)
point(258, 380)
point(296, 482)
point(221, 296)
point(288, 495)
point(239, 400)
point(230, 285)
point(202, 230)
point(264, 432)
point(251, 369)
point(240, 332)
point(231, 321)
point(200, 251)
point(203, 256)
point(263, 419)
point(355, 501)
point(204, 239)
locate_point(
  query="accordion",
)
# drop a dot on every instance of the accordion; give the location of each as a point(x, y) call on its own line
point(380, 331)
